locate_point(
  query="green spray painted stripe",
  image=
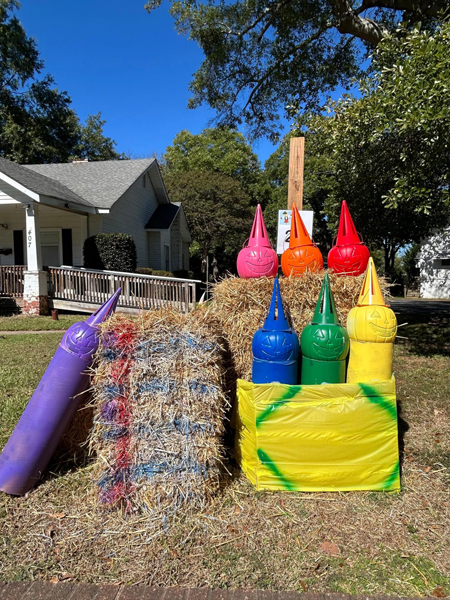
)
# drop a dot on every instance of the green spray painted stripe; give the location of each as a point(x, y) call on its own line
point(393, 477)
point(291, 392)
point(391, 409)
point(374, 397)
point(288, 485)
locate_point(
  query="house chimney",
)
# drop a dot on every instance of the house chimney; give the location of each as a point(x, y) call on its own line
point(80, 160)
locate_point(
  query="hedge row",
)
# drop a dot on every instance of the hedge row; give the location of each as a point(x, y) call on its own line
point(111, 252)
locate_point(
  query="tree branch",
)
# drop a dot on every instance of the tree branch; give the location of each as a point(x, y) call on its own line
point(290, 52)
point(347, 21)
point(272, 17)
point(258, 20)
point(424, 7)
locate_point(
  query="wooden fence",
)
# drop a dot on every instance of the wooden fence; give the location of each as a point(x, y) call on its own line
point(11, 281)
point(138, 291)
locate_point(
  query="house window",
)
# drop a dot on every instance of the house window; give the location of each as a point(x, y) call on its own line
point(445, 262)
point(167, 257)
point(50, 247)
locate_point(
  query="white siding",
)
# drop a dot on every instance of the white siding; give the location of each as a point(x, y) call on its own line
point(154, 250)
point(94, 225)
point(5, 199)
point(434, 276)
point(61, 219)
point(11, 195)
point(130, 215)
point(50, 218)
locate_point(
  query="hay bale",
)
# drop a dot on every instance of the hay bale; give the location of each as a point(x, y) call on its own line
point(159, 412)
point(240, 306)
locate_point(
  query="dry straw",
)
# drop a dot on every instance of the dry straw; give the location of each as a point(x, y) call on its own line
point(240, 306)
point(159, 419)
point(161, 385)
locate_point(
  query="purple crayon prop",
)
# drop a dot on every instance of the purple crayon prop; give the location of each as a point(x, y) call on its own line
point(52, 406)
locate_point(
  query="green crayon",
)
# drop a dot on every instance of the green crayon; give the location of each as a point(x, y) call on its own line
point(324, 343)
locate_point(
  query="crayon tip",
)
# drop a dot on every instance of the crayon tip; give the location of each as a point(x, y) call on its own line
point(299, 234)
point(258, 235)
point(325, 308)
point(371, 293)
point(276, 319)
point(347, 233)
point(104, 311)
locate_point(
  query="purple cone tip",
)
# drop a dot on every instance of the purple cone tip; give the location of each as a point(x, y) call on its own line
point(105, 310)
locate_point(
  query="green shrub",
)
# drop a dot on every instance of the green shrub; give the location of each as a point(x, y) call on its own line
point(154, 272)
point(110, 251)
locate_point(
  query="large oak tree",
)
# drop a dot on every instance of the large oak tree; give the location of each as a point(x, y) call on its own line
point(265, 55)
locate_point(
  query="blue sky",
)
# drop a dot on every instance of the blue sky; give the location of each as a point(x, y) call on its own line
point(112, 56)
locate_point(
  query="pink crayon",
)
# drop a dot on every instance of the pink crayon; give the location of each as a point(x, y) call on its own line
point(258, 258)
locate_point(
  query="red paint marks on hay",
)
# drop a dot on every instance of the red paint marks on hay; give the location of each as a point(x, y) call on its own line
point(123, 488)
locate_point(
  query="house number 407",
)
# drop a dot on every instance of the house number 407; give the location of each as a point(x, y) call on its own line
point(30, 238)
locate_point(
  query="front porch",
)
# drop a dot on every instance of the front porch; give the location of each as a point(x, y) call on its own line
point(43, 225)
point(36, 240)
point(83, 290)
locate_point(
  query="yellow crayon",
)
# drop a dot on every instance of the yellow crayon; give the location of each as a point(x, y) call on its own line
point(372, 328)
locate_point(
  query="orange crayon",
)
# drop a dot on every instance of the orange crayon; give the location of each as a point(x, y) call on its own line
point(302, 255)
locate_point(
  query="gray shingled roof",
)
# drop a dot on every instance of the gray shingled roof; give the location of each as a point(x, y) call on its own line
point(39, 183)
point(101, 183)
point(163, 216)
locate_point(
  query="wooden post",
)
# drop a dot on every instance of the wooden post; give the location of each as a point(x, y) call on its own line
point(296, 166)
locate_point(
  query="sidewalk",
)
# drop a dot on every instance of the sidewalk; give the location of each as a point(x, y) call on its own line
point(80, 591)
point(27, 332)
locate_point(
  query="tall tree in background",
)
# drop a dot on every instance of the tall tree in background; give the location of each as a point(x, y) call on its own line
point(93, 144)
point(37, 124)
point(216, 150)
point(218, 177)
point(218, 212)
point(263, 57)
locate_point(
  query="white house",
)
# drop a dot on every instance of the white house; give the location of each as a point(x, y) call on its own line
point(433, 261)
point(47, 211)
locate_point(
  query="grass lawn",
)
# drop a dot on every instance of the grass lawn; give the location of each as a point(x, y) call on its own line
point(27, 323)
point(364, 543)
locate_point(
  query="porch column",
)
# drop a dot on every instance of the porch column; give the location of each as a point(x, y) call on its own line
point(35, 294)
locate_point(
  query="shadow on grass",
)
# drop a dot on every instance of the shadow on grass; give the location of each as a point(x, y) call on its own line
point(427, 333)
point(403, 427)
point(8, 307)
point(72, 452)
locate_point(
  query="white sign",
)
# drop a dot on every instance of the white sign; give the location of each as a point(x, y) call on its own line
point(284, 227)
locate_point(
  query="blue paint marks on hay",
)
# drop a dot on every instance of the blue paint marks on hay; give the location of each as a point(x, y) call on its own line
point(160, 414)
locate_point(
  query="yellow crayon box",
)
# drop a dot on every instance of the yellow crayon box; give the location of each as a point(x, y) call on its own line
point(312, 438)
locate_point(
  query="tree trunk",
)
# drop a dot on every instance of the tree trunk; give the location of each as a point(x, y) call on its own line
point(390, 252)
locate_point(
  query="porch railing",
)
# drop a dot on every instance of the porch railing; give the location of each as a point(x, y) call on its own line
point(138, 291)
point(11, 281)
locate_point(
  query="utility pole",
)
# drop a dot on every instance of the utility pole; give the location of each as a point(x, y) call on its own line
point(296, 167)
